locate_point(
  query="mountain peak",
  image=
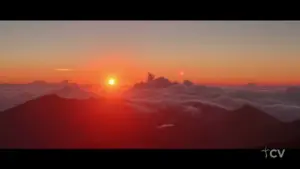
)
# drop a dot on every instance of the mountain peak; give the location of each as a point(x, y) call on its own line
point(250, 113)
point(247, 108)
point(54, 122)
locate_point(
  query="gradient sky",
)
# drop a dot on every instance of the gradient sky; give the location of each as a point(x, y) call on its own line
point(218, 52)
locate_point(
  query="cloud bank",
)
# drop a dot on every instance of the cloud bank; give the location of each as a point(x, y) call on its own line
point(162, 95)
point(280, 102)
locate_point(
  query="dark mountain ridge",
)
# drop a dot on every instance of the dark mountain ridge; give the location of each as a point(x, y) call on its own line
point(54, 122)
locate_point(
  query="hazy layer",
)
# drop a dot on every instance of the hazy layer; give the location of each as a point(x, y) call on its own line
point(159, 94)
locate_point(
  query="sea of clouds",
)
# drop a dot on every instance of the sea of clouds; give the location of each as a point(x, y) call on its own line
point(280, 102)
point(15, 94)
point(274, 101)
point(160, 94)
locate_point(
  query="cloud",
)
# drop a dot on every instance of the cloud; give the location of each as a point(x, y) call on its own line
point(63, 70)
point(162, 95)
point(283, 112)
point(14, 94)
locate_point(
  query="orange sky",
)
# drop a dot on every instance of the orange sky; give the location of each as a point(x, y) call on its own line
point(207, 52)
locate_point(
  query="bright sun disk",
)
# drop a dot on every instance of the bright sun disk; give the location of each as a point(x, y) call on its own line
point(111, 81)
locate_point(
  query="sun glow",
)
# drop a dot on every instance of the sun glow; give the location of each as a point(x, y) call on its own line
point(111, 82)
point(112, 87)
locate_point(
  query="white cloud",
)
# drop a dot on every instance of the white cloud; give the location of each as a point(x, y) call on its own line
point(278, 102)
point(274, 101)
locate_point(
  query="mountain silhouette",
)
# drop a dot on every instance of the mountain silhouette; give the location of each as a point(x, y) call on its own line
point(54, 122)
point(38, 82)
point(74, 91)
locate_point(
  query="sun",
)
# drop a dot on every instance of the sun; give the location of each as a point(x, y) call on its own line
point(111, 81)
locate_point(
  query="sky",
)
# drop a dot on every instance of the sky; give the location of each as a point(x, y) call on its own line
point(208, 52)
